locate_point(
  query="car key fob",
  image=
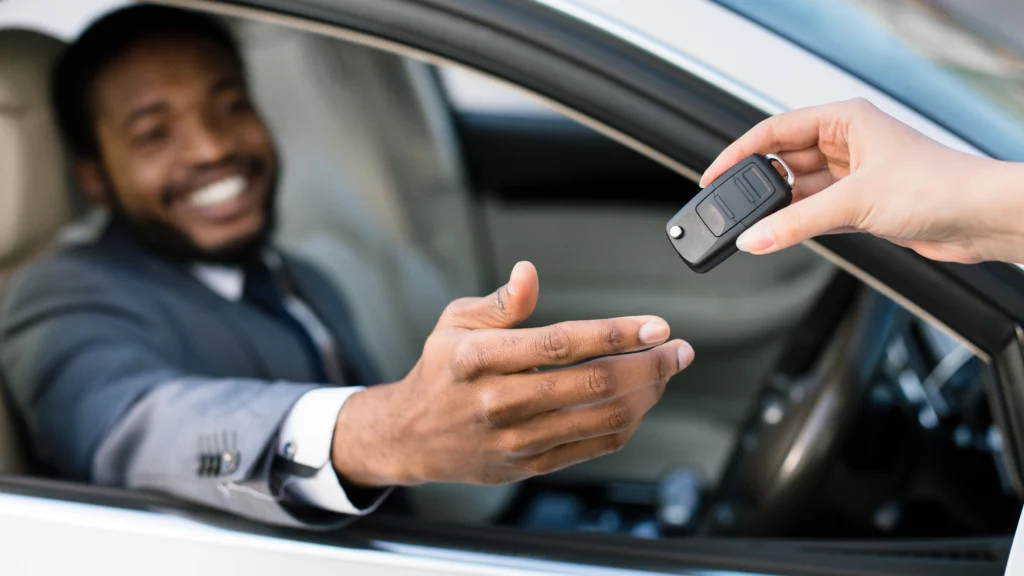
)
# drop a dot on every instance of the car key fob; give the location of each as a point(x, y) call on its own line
point(704, 232)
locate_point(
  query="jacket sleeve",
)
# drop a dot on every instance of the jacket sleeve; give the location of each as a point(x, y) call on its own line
point(94, 378)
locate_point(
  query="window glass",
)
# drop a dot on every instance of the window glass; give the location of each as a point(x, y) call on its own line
point(959, 63)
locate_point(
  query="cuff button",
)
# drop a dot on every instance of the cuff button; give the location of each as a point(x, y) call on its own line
point(288, 450)
point(229, 462)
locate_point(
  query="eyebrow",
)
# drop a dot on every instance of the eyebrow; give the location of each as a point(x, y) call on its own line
point(226, 83)
point(154, 108)
point(222, 85)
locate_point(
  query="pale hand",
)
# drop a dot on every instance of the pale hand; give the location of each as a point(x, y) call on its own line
point(859, 169)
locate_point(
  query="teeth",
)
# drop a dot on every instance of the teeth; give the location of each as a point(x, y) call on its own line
point(220, 191)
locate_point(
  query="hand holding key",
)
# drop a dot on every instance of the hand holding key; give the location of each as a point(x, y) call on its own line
point(859, 169)
point(704, 232)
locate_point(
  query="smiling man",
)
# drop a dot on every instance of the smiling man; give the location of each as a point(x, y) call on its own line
point(183, 352)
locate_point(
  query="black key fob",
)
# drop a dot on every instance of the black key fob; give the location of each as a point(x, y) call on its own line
point(704, 232)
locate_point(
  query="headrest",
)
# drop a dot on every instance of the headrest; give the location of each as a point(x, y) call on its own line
point(34, 195)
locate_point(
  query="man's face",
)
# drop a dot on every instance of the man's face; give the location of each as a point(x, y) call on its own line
point(185, 157)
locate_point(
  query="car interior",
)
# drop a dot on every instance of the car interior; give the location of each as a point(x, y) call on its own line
point(806, 385)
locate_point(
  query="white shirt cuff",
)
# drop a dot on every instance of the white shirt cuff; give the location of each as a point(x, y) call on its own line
point(305, 438)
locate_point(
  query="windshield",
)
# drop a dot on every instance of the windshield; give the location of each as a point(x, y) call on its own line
point(959, 63)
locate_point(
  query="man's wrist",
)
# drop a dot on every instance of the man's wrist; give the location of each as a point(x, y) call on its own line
point(365, 448)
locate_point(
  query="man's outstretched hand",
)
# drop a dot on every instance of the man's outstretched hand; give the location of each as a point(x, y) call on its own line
point(476, 409)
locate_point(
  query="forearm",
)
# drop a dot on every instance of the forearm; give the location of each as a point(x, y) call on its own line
point(996, 191)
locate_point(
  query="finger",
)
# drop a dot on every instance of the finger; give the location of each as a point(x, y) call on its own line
point(789, 131)
point(803, 161)
point(812, 183)
point(511, 351)
point(558, 427)
point(566, 455)
point(506, 307)
point(838, 206)
point(522, 396)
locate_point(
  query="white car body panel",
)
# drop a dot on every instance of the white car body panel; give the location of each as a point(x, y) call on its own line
point(43, 536)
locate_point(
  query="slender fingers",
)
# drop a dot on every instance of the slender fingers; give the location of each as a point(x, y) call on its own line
point(805, 161)
point(811, 183)
point(789, 131)
point(835, 208)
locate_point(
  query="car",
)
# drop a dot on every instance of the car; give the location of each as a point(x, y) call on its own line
point(854, 409)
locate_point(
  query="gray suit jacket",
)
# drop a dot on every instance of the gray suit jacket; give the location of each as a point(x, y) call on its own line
point(128, 371)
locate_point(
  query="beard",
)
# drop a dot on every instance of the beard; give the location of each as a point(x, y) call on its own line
point(173, 244)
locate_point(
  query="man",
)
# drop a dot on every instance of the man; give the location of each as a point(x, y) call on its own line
point(182, 352)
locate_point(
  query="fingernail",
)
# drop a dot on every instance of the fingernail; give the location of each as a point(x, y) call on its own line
point(701, 183)
point(685, 352)
point(757, 239)
point(654, 331)
point(513, 279)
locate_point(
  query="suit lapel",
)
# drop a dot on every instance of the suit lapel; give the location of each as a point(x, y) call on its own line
point(272, 349)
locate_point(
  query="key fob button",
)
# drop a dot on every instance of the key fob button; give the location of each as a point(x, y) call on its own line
point(711, 214)
point(704, 231)
point(758, 184)
point(736, 197)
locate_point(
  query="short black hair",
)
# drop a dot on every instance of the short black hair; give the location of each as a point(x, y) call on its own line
point(75, 73)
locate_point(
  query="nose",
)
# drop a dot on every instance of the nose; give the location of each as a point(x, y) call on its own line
point(206, 142)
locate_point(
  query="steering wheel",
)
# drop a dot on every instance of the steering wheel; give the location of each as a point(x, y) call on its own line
point(798, 426)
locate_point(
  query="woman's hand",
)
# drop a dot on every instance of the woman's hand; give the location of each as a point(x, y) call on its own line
point(859, 169)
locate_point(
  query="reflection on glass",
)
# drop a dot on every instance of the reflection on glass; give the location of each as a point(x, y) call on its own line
point(955, 62)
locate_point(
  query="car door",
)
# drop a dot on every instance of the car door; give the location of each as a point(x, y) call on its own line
point(661, 103)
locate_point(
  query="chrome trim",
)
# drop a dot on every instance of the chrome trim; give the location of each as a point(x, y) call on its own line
point(789, 173)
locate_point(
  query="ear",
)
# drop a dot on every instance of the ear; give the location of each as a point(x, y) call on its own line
point(90, 178)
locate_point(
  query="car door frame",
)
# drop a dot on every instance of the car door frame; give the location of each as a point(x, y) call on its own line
point(676, 117)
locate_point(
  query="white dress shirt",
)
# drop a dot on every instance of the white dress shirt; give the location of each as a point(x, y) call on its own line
point(308, 430)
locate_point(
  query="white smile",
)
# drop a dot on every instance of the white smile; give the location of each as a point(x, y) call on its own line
point(219, 192)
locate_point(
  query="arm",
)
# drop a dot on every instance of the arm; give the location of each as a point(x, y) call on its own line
point(475, 409)
point(105, 401)
point(858, 169)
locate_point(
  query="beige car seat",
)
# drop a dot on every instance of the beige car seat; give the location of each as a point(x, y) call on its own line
point(34, 192)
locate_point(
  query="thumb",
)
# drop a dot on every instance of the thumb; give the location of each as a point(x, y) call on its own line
point(837, 207)
point(506, 307)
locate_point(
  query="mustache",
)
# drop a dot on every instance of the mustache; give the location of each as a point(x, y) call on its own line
point(248, 166)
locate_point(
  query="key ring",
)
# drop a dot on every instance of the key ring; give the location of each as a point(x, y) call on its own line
point(789, 173)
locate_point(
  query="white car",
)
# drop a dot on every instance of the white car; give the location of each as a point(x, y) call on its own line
point(854, 409)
